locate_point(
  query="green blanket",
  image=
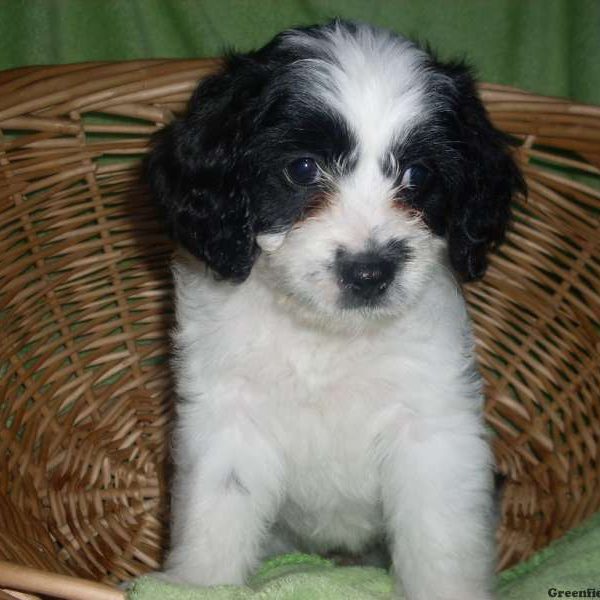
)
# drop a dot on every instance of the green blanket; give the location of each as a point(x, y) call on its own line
point(571, 564)
point(546, 46)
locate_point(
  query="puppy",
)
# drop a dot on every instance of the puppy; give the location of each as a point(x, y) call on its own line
point(327, 192)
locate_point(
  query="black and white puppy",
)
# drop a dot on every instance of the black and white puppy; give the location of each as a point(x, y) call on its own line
point(327, 191)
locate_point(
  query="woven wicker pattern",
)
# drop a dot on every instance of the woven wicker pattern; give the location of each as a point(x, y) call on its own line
point(85, 312)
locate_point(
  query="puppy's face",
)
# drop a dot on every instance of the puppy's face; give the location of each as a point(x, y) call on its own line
point(360, 243)
point(343, 163)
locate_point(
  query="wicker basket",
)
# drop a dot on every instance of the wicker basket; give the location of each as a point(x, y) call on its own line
point(85, 311)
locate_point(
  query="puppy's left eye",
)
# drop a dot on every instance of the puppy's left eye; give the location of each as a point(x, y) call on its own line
point(303, 171)
point(415, 177)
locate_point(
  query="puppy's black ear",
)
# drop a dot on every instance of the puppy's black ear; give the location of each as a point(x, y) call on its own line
point(480, 210)
point(196, 175)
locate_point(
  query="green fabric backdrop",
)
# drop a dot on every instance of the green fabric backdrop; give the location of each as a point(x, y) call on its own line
point(547, 46)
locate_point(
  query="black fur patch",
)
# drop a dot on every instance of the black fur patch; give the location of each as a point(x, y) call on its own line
point(483, 177)
point(473, 174)
point(293, 131)
point(218, 174)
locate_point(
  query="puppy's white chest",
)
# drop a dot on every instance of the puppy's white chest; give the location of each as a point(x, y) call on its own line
point(331, 490)
point(326, 410)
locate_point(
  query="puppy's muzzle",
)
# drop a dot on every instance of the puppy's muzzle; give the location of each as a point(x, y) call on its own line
point(365, 277)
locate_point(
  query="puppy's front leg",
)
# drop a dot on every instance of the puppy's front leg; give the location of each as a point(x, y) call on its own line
point(223, 502)
point(437, 499)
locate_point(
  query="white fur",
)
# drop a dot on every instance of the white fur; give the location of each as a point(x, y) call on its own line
point(373, 78)
point(303, 423)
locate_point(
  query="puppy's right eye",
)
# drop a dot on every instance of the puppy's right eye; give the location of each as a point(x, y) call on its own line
point(416, 177)
point(303, 171)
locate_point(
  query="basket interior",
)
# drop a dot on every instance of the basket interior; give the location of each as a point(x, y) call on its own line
point(85, 312)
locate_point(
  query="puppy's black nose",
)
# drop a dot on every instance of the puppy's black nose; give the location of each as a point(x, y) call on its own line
point(367, 278)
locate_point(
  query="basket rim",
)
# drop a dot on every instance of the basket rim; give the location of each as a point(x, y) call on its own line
point(175, 77)
point(37, 581)
point(58, 69)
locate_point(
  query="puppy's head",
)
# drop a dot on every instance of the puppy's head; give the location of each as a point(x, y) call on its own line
point(345, 161)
